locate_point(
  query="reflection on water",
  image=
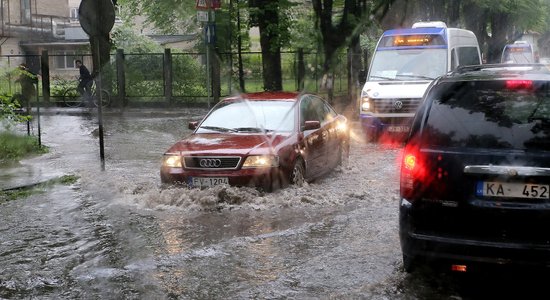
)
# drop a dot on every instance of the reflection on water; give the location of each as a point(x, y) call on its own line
point(119, 234)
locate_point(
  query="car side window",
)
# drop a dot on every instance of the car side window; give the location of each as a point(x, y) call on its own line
point(309, 111)
point(328, 113)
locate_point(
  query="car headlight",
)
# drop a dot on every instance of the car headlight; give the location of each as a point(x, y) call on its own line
point(261, 161)
point(365, 103)
point(342, 126)
point(171, 160)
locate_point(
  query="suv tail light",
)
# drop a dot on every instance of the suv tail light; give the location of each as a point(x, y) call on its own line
point(412, 171)
point(423, 175)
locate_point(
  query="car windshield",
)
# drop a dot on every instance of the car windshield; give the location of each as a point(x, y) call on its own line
point(250, 116)
point(496, 116)
point(417, 64)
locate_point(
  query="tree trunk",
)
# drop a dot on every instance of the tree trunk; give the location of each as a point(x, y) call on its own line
point(267, 18)
point(499, 26)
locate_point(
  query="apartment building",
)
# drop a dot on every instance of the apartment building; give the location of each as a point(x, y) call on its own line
point(27, 27)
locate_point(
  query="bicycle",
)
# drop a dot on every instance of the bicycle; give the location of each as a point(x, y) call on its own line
point(72, 98)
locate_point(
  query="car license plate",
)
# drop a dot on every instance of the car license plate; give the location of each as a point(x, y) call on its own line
point(203, 182)
point(398, 128)
point(512, 190)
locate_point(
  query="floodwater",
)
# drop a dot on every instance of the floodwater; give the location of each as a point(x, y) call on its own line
point(117, 234)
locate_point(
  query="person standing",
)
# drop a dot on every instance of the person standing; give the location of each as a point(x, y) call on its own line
point(26, 79)
point(85, 80)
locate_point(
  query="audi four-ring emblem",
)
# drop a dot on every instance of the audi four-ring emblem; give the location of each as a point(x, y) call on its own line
point(210, 162)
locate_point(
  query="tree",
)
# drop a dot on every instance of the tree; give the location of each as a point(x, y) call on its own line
point(269, 16)
point(340, 24)
point(168, 16)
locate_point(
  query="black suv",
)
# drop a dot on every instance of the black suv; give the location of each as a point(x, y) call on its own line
point(475, 174)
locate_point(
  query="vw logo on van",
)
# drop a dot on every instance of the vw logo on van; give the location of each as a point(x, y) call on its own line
point(398, 105)
point(210, 162)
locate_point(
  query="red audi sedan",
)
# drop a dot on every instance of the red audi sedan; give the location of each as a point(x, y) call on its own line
point(266, 140)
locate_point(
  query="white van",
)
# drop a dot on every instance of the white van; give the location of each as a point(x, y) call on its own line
point(403, 65)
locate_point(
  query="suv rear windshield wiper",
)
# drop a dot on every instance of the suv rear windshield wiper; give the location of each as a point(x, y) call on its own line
point(532, 116)
point(221, 129)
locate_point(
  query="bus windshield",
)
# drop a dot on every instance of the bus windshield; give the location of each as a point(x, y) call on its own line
point(408, 64)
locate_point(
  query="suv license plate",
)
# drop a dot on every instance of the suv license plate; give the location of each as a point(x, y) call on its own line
point(398, 128)
point(203, 182)
point(512, 190)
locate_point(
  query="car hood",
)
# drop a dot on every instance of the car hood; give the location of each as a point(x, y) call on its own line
point(214, 143)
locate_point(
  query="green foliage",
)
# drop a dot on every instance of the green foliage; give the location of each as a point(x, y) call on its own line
point(125, 38)
point(58, 85)
point(169, 16)
point(10, 111)
point(189, 76)
point(13, 147)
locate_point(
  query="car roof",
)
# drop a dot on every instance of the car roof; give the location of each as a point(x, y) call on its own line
point(499, 72)
point(266, 96)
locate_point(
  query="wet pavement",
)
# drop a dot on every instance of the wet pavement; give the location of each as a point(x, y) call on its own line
point(118, 234)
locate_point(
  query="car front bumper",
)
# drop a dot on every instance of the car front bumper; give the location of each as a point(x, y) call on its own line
point(257, 177)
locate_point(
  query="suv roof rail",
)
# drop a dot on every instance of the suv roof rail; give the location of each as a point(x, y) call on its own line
point(473, 68)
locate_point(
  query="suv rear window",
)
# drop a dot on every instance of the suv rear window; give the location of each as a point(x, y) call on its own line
point(490, 114)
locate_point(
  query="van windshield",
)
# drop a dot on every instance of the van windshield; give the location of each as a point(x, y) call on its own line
point(409, 64)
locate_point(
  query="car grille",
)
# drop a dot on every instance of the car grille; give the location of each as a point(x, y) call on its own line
point(212, 162)
point(397, 105)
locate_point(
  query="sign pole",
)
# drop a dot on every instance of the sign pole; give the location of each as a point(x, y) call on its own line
point(98, 88)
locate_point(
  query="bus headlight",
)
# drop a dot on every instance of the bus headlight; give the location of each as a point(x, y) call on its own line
point(365, 104)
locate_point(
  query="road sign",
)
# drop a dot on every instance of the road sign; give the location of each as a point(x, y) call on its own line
point(96, 17)
point(202, 16)
point(208, 4)
point(210, 33)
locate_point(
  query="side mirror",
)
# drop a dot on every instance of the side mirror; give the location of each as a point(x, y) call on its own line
point(312, 125)
point(193, 125)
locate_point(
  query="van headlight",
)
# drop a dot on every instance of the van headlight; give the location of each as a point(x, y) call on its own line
point(171, 161)
point(366, 103)
point(261, 161)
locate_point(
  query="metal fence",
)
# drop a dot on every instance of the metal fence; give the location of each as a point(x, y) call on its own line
point(170, 78)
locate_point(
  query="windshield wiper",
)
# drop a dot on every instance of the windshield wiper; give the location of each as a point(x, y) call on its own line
point(382, 77)
point(221, 129)
point(415, 76)
point(251, 129)
point(532, 117)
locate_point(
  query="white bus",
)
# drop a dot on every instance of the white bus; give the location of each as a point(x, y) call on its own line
point(520, 52)
point(403, 65)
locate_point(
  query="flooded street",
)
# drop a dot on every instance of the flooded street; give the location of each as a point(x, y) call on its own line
point(117, 234)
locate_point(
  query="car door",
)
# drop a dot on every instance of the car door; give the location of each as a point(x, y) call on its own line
point(315, 140)
point(332, 138)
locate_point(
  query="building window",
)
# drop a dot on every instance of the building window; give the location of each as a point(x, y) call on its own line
point(65, 59)
point(73, 15)
point(25, 11)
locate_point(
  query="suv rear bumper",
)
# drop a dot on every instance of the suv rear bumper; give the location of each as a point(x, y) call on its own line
point(435, 246)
